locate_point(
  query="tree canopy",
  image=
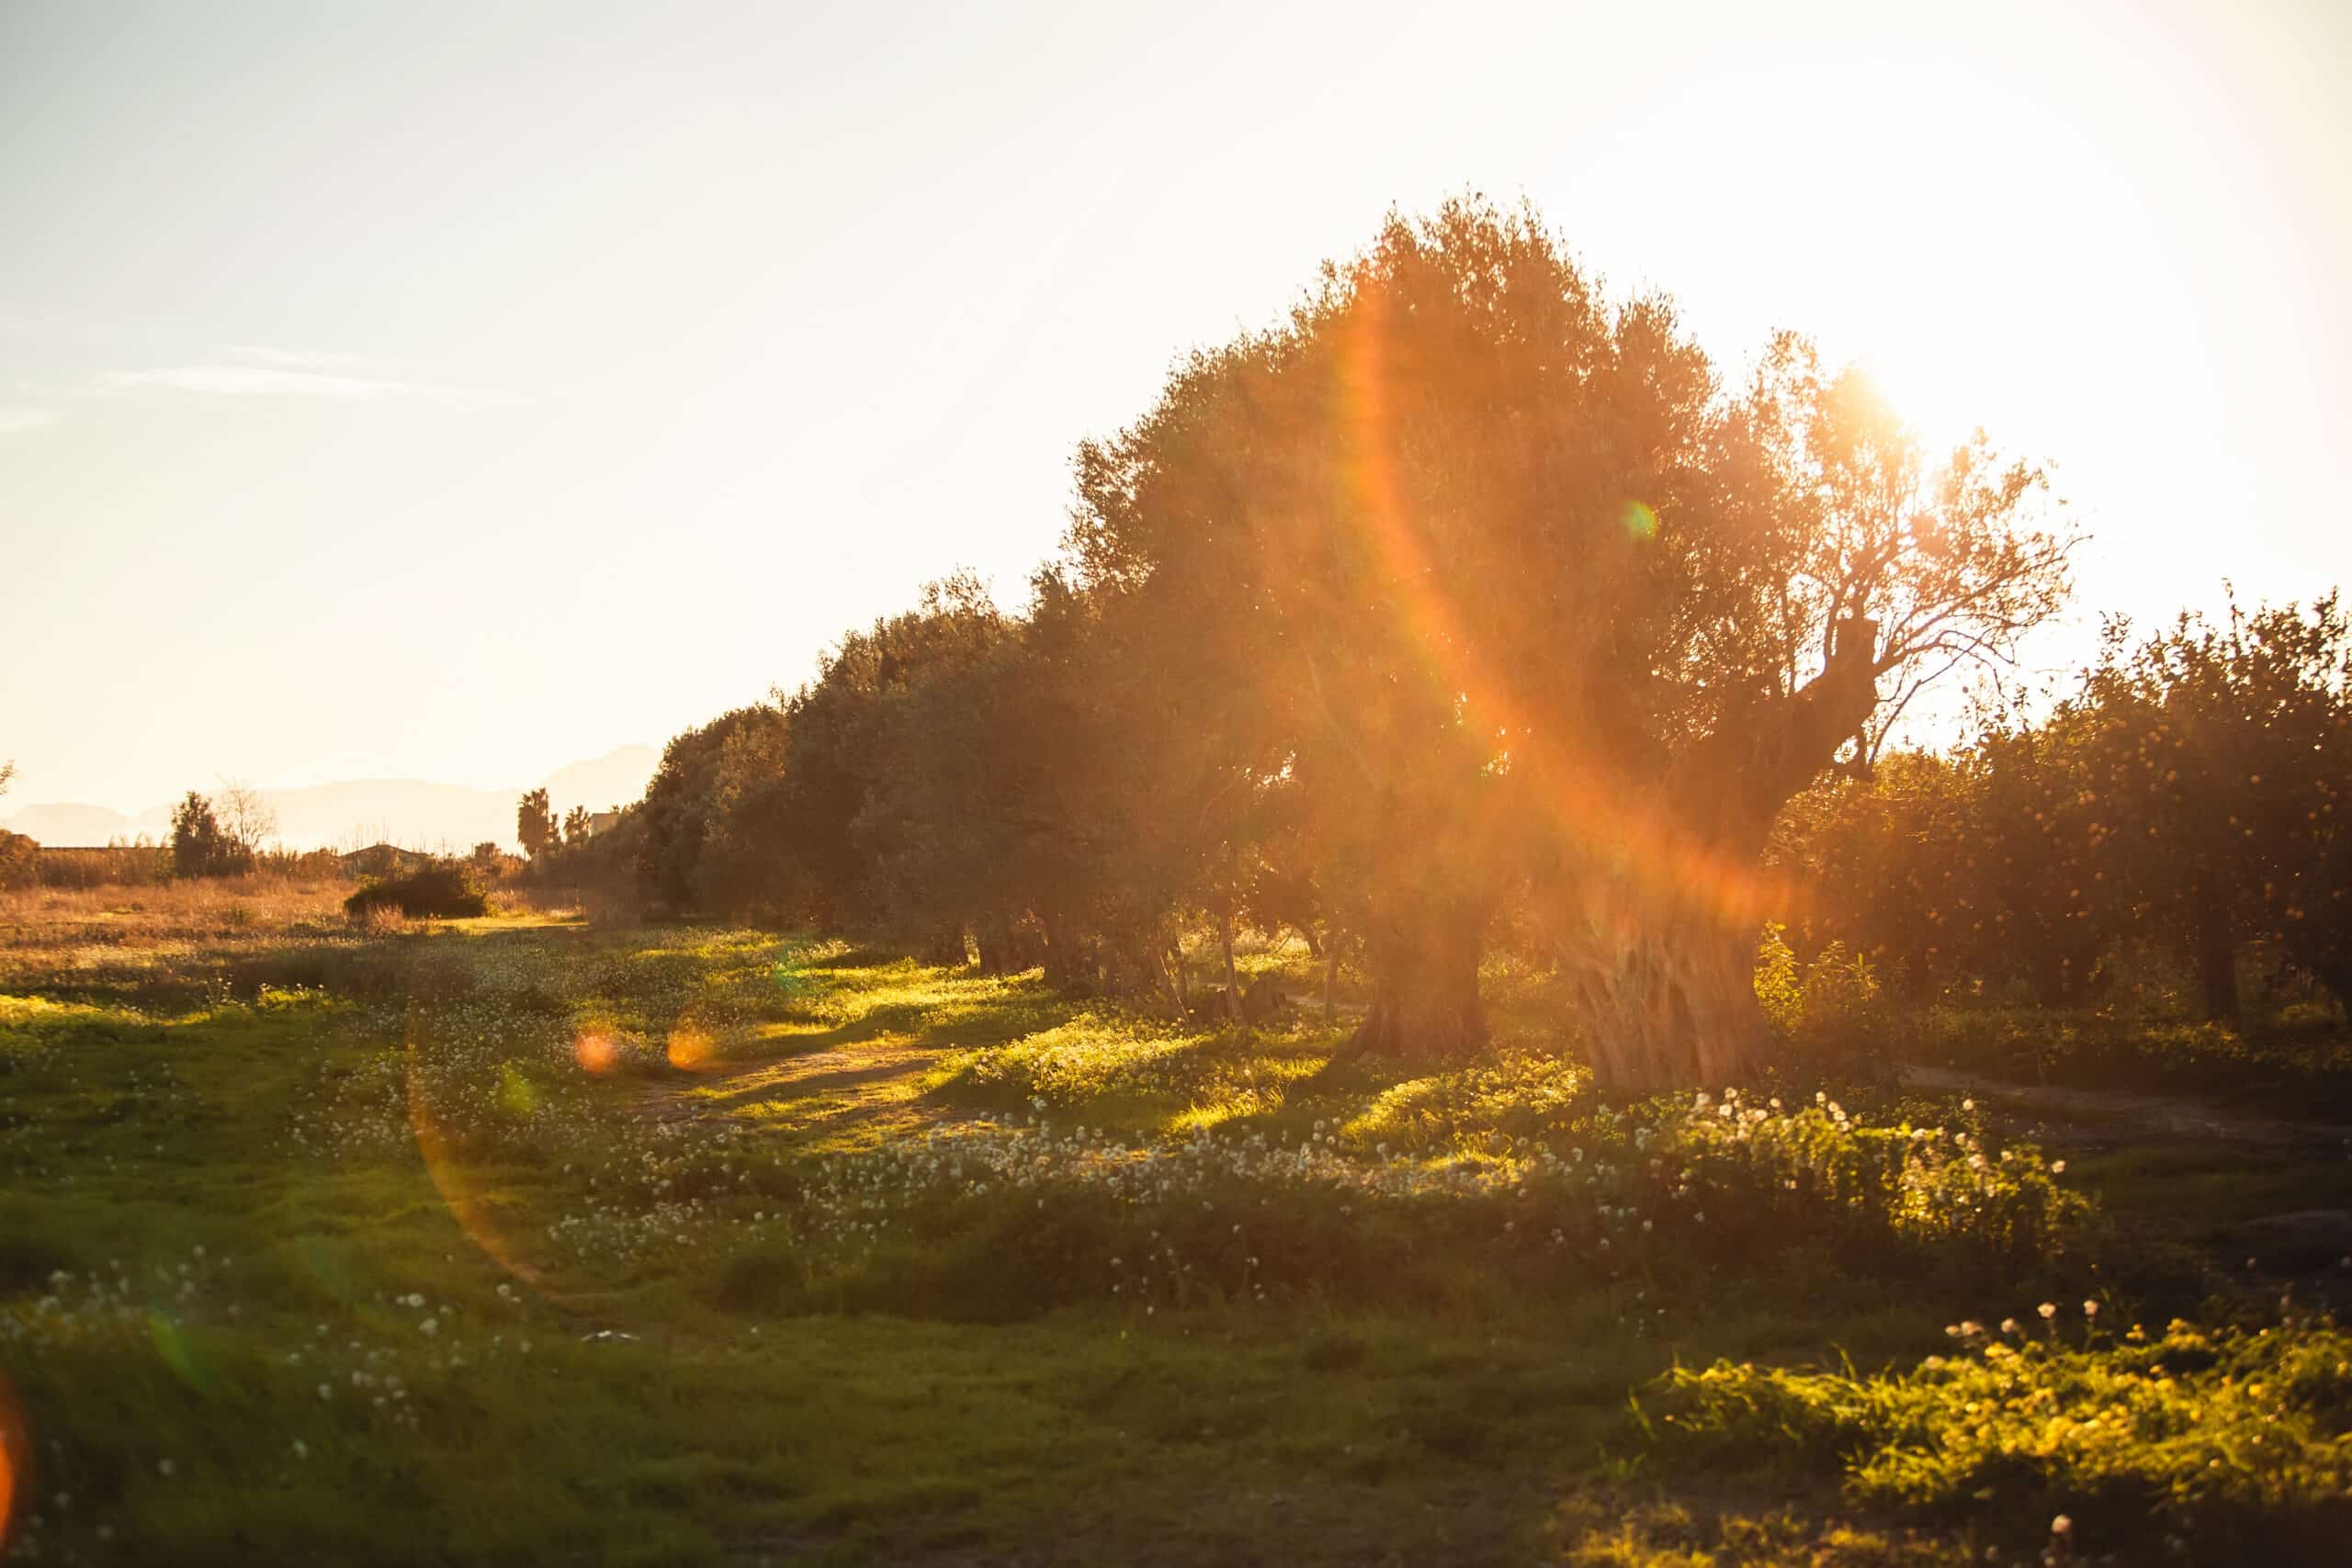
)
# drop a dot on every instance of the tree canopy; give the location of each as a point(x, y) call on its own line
point(1504, 577)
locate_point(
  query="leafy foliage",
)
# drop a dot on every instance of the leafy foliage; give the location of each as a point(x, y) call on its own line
point(2185, 796)
point(535, 824)
point(693, 814)
point(2240, 1439)
point(201, 846)
point(443, 891)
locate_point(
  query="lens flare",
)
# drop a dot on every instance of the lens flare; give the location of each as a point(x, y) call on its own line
point(173, 1347)
point(692, 1050)
point(1636, 834)
point(16, 1465)
point(596, 1051)
point(328, 1266)
point(476, 1216)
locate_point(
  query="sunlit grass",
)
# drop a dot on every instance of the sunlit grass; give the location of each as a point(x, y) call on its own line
point(2138, 1440)
point(1613, 1529)
point(1212, 1262)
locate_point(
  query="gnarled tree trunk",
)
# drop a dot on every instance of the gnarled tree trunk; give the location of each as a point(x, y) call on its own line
point(1669, 997)
point(1660, 932)
point(1425, 985)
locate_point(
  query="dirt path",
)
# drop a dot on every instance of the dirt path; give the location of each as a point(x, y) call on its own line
point(2113, 1115)
point(2261, 1200)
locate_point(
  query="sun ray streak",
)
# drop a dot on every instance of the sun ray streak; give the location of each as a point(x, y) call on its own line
point(1597, 810)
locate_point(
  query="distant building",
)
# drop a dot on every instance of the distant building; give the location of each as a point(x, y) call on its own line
point(602, 821)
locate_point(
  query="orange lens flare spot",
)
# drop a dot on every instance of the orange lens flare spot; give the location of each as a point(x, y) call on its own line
point(692, 1049)
point(596, 1053)
point(16, 1465)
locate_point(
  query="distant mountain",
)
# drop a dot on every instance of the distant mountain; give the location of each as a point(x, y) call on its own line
point(413, 813)
point(616, 778)
point(410, 813)
point(65, 824)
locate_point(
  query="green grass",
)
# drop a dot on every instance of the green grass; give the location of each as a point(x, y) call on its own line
point(512, 1240)
point(2297, 1065)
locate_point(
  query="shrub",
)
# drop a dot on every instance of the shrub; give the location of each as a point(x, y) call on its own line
point(1832, 1006)
point(1779, 980)
point(19, 860)
point(2236, 1445)
point(444, 890)
point(1840, 1005)
point(379, 919)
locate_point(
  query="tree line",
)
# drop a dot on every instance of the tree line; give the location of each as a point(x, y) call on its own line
point(1464, 598)
point(2185, 796)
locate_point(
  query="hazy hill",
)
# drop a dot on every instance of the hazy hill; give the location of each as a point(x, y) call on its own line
point(66, 824)
point(416, 813)
point(616, 778)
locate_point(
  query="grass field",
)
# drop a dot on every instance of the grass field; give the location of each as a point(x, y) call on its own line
point(525, 1239)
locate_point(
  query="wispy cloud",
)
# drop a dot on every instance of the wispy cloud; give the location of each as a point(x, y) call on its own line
point(15, 420)
point(305, 360)
point(282, 373)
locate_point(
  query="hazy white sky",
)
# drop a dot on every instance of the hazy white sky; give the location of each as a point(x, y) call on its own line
point(456, 391)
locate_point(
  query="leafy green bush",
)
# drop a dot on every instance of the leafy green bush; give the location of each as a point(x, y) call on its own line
point(1831, 1006)
point(444, 890)
point(2235, 1446)
point(1779, 980)
point(1839, 1006)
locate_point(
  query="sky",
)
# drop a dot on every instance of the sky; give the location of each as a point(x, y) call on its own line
point(454, 391)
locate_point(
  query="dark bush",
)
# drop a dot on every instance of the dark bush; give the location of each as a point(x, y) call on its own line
point(445, 890)
point(19, 860)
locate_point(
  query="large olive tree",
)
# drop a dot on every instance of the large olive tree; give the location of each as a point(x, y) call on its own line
point(1500, 573)
point(1833, 570)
